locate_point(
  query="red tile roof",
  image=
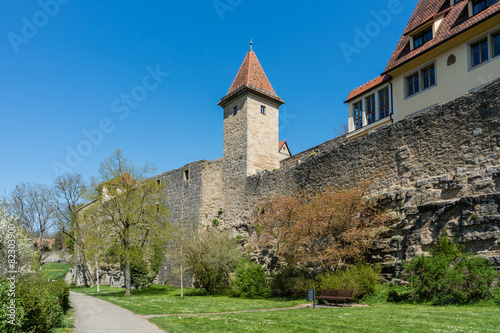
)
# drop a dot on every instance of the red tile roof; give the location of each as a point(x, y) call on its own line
point(251, 75)
point(281, 143)
point(456, 21)
point(368, 86)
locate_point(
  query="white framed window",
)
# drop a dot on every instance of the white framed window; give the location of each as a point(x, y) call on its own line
point(495, 37)
point(423, 79)
point(370, 109)
point(383, 97)
point(412, 84)
point(358, 115)
point(484, 49)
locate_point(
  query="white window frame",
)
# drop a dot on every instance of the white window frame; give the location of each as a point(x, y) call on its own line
point(489, 39)
point(363, 100)
point(420, 73)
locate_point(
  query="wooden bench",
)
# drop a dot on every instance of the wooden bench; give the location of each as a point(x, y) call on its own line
point(336, 295)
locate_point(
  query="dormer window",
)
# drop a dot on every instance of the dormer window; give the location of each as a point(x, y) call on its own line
point(480, 5)
point(422, 37)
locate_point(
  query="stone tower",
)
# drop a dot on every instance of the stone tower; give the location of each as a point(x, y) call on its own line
point(251, 130)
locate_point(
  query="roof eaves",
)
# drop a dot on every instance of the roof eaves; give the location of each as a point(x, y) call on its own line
point(430, 46)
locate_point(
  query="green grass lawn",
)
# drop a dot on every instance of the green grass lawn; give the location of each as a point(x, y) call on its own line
point(378, 318)
point(166, 300)
point(56, 271)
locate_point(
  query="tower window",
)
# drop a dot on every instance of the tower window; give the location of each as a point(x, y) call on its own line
point(235, 110)
point(263, 109)
point(186, 175)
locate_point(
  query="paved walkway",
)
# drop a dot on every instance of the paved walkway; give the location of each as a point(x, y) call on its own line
point(93, 315)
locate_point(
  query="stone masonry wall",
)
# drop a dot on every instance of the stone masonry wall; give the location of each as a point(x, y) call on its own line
point(184, 199)
point(193, 198)
point(438, 169)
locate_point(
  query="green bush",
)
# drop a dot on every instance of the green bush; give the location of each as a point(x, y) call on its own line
point(39, 304)
point(41, 307)
point(212, 256)
point(60, 290)
point(291, 282)
point(362, 278)
point(397, 295)
point(5, 313)
point(448, 276)
point(250, 281)
point(495, 295)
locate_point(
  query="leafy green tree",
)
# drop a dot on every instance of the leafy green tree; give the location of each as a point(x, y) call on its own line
point(131, 207)
point(212, 256)
point(95, 243)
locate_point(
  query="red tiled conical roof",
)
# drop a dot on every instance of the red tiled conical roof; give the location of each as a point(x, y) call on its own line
point(251, 75)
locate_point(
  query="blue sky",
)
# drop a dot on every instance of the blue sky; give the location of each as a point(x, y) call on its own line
point(67, 66)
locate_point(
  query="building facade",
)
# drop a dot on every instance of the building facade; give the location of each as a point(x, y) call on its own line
point(448, 48)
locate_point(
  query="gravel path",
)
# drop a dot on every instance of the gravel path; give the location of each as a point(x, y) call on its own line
point(93, 315)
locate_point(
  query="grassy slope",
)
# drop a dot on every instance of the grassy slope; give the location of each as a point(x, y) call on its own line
point(56, 271)
point(379, 318)
point(166, 300)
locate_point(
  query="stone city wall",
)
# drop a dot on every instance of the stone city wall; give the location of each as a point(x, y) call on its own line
point(438, 169)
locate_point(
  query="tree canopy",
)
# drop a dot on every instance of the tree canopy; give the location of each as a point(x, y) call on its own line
point(324, 230)
point(130, 207)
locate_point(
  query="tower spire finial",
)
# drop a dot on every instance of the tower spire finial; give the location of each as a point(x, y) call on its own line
point(251, 44)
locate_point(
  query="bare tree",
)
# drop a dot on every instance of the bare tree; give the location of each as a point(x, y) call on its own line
point(341, 129)
point(34, 209)
point(67, 194)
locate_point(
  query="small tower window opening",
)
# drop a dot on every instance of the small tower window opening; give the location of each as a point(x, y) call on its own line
point(158, 182)
point(263, 109)
point(235, 110)
point(186, 175)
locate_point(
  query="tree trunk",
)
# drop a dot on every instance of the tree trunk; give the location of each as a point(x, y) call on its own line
point(97, 274)
point(182, 285)
point(127, 274)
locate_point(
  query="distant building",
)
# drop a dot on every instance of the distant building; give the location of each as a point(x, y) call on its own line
point(448, 48)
